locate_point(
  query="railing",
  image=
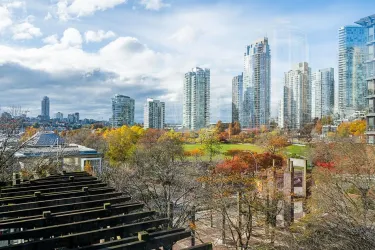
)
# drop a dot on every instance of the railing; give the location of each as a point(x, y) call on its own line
point(371, 92)
point(370, 128)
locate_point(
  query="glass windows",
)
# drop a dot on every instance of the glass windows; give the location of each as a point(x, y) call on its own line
point(371, 106)
point(371, 122)
point(371, 34)
point(371, 139)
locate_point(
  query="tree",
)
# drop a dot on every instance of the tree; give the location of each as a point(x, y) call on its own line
point(342, 201)
point(357, 127)
point(273, 143)
point(219, 127)
point(158, 176)
point(211, 144)
point(121, 143)
point(29, 132)
point(236, 128)
point(344, 129)
point(319, 127)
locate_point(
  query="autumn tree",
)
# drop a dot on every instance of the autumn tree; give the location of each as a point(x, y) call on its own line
point(319, 127)
point(357, 127)
point(342, 203)
point(343, 129)
point(273, 143)
point(219, 127)
point(29, 132)
point(210, 143)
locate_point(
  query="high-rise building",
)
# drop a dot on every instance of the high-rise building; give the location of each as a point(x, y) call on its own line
point(323, 93)
point(45, 108)
point(122, 111)
point(296, 101)
point(369, 24)
point(76, 117)
point(154, 114)
point(255, 110)
point(196, 99)
point(351, 70)
point(59, 116)
point(237, 89)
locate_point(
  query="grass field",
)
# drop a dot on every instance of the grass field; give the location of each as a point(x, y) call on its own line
point(292, 149)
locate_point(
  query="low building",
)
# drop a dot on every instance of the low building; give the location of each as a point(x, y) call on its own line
point(48, 145)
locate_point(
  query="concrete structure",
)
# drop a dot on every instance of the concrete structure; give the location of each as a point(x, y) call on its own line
point(59, 116)
point(296, 109)
point(237, 91)
point(196, 99)
point(323, 93)
point(122, 111)
point(368, 23)
point(351, 70)
point(154, 114)
point(45, 108)
point(256, 104)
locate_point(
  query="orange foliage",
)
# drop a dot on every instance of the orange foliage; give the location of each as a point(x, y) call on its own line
point(29, 132)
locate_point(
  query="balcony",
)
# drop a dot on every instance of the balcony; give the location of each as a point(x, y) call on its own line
point(370, 129)
point(370, 92)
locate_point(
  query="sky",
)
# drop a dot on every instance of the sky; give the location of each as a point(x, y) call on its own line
point(80, 53)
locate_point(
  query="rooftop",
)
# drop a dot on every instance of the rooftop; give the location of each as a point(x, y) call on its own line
point(367, 21)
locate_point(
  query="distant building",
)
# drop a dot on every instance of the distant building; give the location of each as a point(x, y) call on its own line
point(154, 114)
point(59, 116)
point(45, 108)
point(237, 90)
point(71, 118)
point(369, 24)
point(196, 99)
point(122, 111)
point(296, 109)
point(76, 117)
point(255, 110)
point(323, 96)
point(351, 70)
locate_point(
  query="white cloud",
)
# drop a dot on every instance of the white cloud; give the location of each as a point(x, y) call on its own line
point(98, 36)
point(5, 18)
point(71, 38)
point(153, 4)
point(48, 16)
point(53, 39)
point(25, 30)
point(67, 9)
point(184, 35)
point(16, 5)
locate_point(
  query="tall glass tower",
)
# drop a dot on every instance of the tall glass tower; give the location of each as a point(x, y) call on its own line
point(154, 114)
point(237, 89)
point(368, 23)
point(122, 111)
point(255, 110)
point(196, 101)
point(45, 108)
point(352, 82)
point(323, 93)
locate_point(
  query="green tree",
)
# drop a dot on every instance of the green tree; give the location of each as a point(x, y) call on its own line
point(210, 143)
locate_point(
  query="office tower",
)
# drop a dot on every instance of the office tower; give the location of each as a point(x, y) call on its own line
point(154, 114)
point(352, 82)
point(368, 23)
point(323, 93)
point(59, 116)
point(255, 110)
point(297, 97)
point(122, 111)
point(196, 99)
point(45, 108)
point(76, 117)
point(237, 89)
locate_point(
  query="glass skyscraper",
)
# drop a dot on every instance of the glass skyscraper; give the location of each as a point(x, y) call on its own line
point(237, 90)
point(323, 93)
point(154, 114)
point(368, 23)
point(122, 111)
point(296, 103)
point(45, 108)
point(255, 110)
point(352, 82)
point(196, 100)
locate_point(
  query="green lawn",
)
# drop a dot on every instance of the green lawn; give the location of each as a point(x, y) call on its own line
point(293, 149)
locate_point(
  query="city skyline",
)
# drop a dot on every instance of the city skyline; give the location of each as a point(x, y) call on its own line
point(66, 54)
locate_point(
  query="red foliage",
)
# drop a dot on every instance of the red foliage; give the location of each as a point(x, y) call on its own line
point(327, 165)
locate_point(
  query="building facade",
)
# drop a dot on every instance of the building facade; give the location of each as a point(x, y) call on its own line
point(122, 111)
point(255, 108)
point(154, 114)
point(59, 116)
point(196, 99)
point(323, 93)
point(369, 24)
point(45, 108)
point(351, 70)
point(237, 90)
point(296, 101)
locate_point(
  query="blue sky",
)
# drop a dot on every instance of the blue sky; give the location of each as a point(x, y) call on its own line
point(80, 53)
